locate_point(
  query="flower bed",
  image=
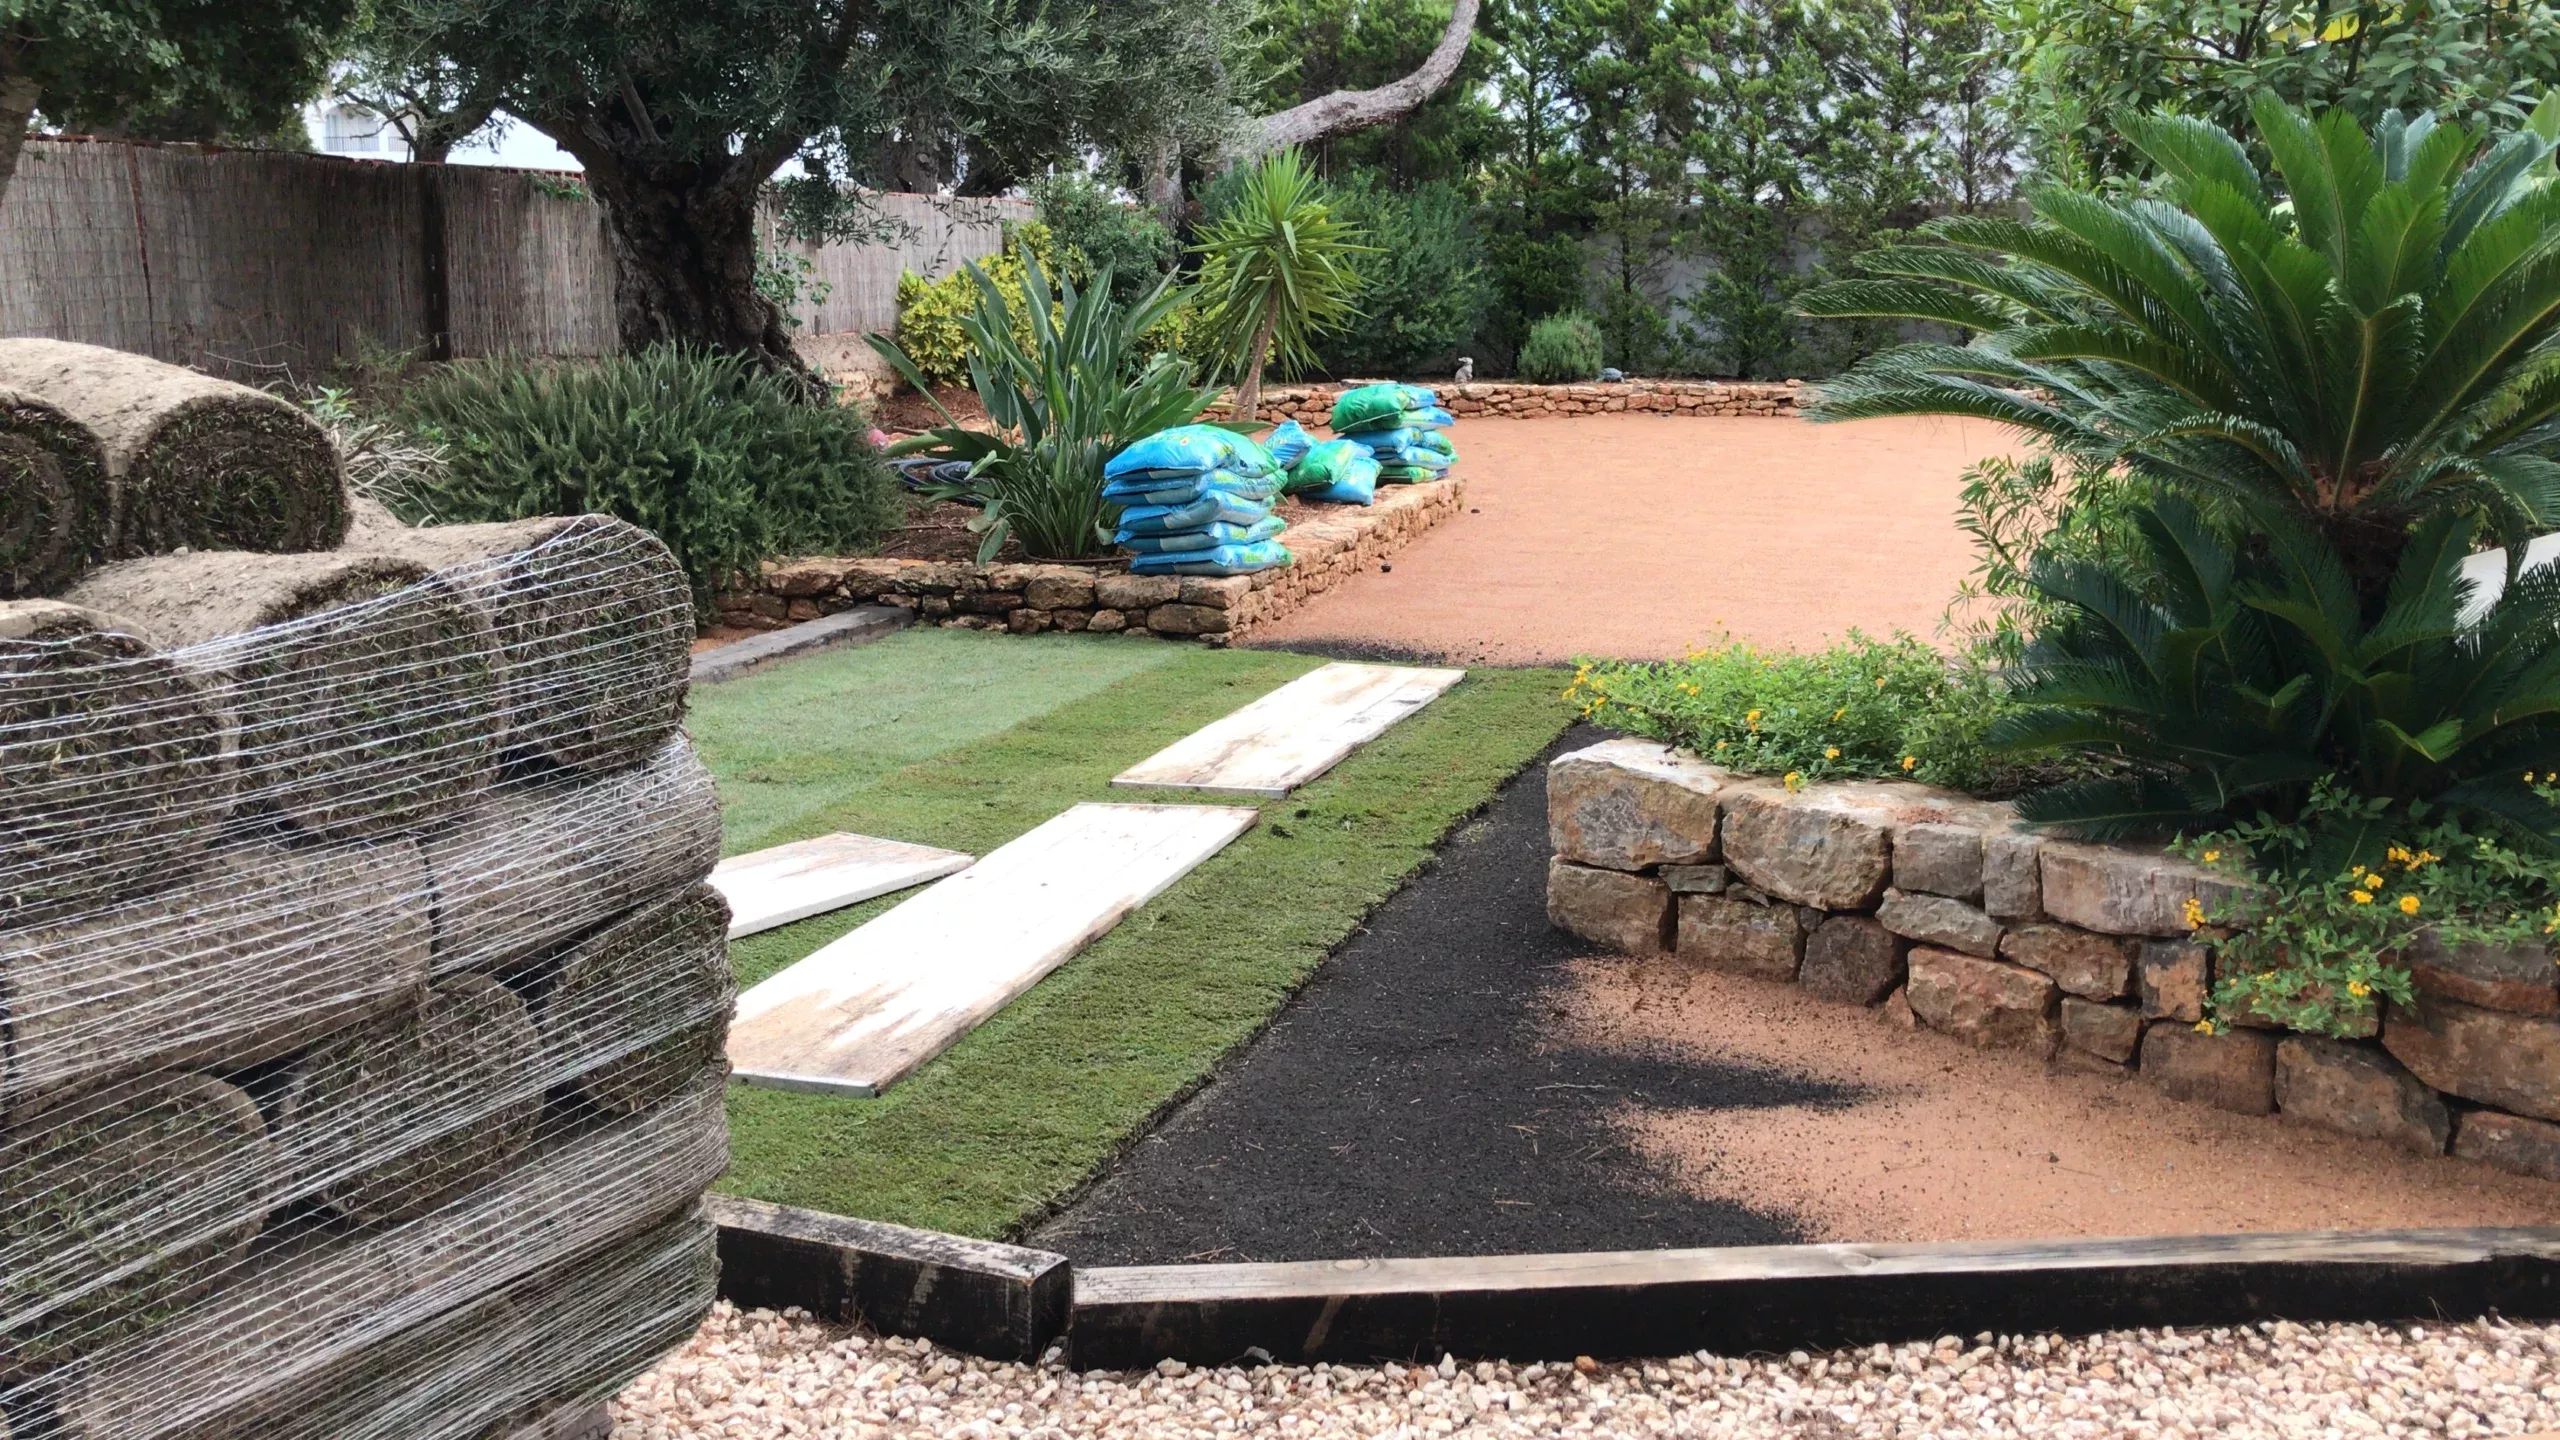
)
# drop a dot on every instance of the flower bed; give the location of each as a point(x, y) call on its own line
point(1028, 598)
point(1944, 912)
point(1313, 404)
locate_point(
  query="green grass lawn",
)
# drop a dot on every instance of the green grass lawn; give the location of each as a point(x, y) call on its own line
point(965, 740)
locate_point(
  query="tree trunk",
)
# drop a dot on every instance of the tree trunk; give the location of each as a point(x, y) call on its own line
point(1248, 401)
point(1347, 110)
point(18, 96)
point(1164, 184)
point(685, 269)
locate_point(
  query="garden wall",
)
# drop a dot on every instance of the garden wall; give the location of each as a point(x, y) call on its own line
point(1945, 912)
point(1313, 404)
point(1330, 544)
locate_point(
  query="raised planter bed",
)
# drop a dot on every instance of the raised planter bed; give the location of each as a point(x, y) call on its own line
point(1948, 914)
point(1336, 542)
point(1313, 404)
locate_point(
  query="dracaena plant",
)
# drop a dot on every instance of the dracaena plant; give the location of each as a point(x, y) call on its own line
point(2360, 342)
point(1060, 406)
point(2228, 677)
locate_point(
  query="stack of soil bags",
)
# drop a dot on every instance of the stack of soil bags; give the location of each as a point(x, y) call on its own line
point(362, 1002)
point(1337, 472)
point(1196, 500)
point(1401, 426)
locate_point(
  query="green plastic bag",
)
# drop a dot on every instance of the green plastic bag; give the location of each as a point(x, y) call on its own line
point(1379, 407)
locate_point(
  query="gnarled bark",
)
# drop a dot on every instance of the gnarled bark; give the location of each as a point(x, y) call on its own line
point(1347, 110)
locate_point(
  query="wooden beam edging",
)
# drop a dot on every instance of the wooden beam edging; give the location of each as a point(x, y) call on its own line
point(1000, 1301)
point(1763, 1299)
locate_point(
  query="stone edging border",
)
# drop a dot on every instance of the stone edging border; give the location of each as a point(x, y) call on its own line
point(1334, 543)
point(1313, 404)
point(1007, 1302)
point(1946, 913)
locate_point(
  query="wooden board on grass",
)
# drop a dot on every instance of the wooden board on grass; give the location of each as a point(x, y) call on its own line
point(1293, 734)
point(768, 889)
point(862, 1013)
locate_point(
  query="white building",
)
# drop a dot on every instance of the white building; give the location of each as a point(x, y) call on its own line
point(340, 128)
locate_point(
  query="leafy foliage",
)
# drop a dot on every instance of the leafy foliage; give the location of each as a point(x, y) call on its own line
point(724, 462)
point(1063, 402)
point(1278, 272)
point(174, 70)
point(2372, 357)
point(2231, 680)
point(1423, 288)
point(933, 315)
point(2021, 514)
point(1098, 234)
point(1864, 707)
point(1560, 349)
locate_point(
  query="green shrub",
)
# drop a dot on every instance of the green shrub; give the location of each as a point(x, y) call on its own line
point(1095, 233)
point(932, 313)
point(1560, 349)
point(1863, 707)
point(718, 458)
point(1423, 290)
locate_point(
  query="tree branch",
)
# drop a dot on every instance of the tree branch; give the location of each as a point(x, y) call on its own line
point(1347, 110)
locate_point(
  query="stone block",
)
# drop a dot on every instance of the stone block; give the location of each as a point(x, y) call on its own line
point(1983, 1002)
point(1633, 804)
point(2092, 966)
point(2231, 1070)
point(870, 578)
point(1696, 879)
point(1027, 621)
point(1804, 849)
point(1058, 588)
point(1852, 960)
point(769, 607)
point(2120, 890)
point(1135, 592)
point(1105, 622)
point(1938, 920)
point(2082, 1062)
point(1187, 620)
point(986, 602)
point(2523, 977)
point(2492, 1056)
point(2510, 1142)
point(2012, 881)
point(2358, 1090)
point(1765, 942)
point(1220, 592)
point(803, 578)
point(1939, 859)
point(1896, 1011)
point(2112, 1032)
point(2172, 977)
point(1609, 907)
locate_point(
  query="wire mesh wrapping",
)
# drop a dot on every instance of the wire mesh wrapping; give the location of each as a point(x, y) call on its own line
point(360, 1066)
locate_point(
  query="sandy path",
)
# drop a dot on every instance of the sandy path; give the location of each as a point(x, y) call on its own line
point(1642, 535)
point(1951, 1143)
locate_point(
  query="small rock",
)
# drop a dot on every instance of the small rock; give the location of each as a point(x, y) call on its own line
point(1983, 1002)
point(2357, 1090)
point(1187, 620)
point(2012, 887)
point(2522, 977)
point(1765, 942)
point(1939, 859)
point(1809, 849)
point(1135, 592)
point(1696, 879)
point(2173, 976)
point(2510, 1142)
point(1896, 1011)
point(2231, 1070)
point(1852, 960)
point(1938, 920)
point(2110, 1032)
point(2123, 891)
point(2492, 1056)
point(1105, 622)
point(2092, 966)
point(1609, 907)
point(1632, 805)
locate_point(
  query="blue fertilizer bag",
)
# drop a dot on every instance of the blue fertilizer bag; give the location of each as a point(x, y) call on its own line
point(1337, 472)
point(1183, 489)
point(1187, 450)
point(1224, 560)
point(1207, 537)
point(1287, 443)
point(1214, 508)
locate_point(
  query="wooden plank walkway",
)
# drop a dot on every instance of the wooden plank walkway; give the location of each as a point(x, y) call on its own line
point(1293, 734)
point(768, 889)
point(864, 1012)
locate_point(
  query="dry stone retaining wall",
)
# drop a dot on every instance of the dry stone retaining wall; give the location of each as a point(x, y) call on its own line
point(1313, 404)
point(1948, 914)
point(1339, 542)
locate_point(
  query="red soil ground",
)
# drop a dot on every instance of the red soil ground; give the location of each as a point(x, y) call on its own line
point(1639, 536)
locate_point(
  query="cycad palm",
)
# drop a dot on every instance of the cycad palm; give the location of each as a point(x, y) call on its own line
point(2380, 355)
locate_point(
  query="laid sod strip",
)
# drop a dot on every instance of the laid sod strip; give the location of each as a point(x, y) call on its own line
point(770, 888)
point(1293, 734)
point(866, 1010)
point(1019, 1112)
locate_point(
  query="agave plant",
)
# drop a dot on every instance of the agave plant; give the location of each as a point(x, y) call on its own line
point(2369, 349)
point(2232, 678)
point(1062, 405)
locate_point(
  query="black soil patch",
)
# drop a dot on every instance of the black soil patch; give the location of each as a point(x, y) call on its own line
point(1409, 1102)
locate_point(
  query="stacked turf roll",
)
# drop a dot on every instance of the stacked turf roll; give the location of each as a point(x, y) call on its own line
point(1403, 427)
point(1197, 500)
point(362, 1003)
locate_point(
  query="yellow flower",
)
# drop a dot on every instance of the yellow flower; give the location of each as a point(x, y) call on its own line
point(1879, 682)
point(1910, 762)
point(2371, 881)
point(1831, 752)
point(1721, 744)
point(2204, 1027)
point(1843, 710)
point(2360, 897)
point(2399, 853)
point(2359, 989)
point(2408, 904)
point(2211, 856)
point(1795, 780)
point(1751, 718)
point(2193, 913)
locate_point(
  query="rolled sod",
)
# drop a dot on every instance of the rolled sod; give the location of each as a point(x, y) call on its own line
point(114, 761)
point(114, 1210)
point(56, 506)
point(594, 623)
point(266, 949)
point(639, 1008)
point(540, 863)
point(365, 690)
point(194, 462)
point(390, 1120)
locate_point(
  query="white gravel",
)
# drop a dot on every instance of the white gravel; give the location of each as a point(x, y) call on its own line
point(757, 1375)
